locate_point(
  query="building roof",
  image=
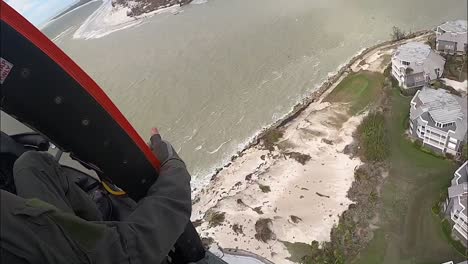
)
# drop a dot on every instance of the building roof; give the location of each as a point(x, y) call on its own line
point(413, 52)
point(441, 105)
point(457, 190)
point(421, 58)
point(457, 26)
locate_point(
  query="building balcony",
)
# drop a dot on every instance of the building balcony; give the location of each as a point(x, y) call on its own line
point(435, 139)
point(461, 231)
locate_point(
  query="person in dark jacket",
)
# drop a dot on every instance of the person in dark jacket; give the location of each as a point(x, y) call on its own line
point(51, 220)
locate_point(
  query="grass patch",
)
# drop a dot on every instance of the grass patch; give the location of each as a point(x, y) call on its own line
point(409, 232)
point(271, 137)
point(263, 230)
point(447, 229)
point(358, 89)
point(299, 157)
point(372, 137)
point(302, 252)
point(216, 218)
point(264, 188)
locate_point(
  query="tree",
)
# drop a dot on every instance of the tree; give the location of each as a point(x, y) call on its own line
point(397, 33)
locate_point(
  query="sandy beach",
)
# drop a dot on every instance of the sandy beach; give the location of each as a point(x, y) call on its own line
point(299, 185)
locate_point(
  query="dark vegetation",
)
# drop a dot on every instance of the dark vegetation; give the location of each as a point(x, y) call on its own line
point(271, 137)
point(258, 210)
point(263, 230)
point(145, 6)
point(264, 188)
point(299, 157)
point(353, 232)
point(207, 241)
point(397, 33)
point(456, 67)
point(374, 145)
point(238, 229)
point(432, 42)
point(216, 218)
point(441, 85)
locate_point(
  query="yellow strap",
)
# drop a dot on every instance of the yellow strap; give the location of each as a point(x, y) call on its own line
point(111, 191)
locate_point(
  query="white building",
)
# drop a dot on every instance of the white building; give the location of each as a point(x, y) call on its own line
point(451, 37)
point(415, 64)
point(439, 119)
point(457, 203)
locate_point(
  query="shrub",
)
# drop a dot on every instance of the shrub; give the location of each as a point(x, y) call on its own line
point(394, 82)
point(388, 70)
point(299, 157)
point(271, 137)
point(436, 208)
point(238, 229)
point(264, 188)
point(397, 33)
point(263, 230)
point(216, 219)
point(372, 137)
point(449, 156)
point(417, 143)
point(431, 42)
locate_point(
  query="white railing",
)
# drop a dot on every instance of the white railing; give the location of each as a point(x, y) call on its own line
point(437, 144)
point(463, 233)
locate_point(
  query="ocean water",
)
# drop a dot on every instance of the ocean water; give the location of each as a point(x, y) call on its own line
point(214, 74)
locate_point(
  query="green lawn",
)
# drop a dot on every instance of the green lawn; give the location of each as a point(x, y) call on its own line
point(359, 89)
point(410, 232)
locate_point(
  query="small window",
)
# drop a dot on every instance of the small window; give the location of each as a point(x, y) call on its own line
point(405, 63)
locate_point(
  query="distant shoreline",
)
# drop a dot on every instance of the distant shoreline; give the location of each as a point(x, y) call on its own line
point(71, 8)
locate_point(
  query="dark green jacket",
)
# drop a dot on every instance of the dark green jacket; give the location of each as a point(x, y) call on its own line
point(38, 232)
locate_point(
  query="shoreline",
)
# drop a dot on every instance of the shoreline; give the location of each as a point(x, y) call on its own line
point(107, 19)
point(315, 96)
point(290, 183)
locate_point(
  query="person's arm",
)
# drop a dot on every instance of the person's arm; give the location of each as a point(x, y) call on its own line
point(149, 233)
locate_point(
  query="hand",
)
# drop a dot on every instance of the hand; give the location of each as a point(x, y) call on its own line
point(154, 131)
point(161, 148)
